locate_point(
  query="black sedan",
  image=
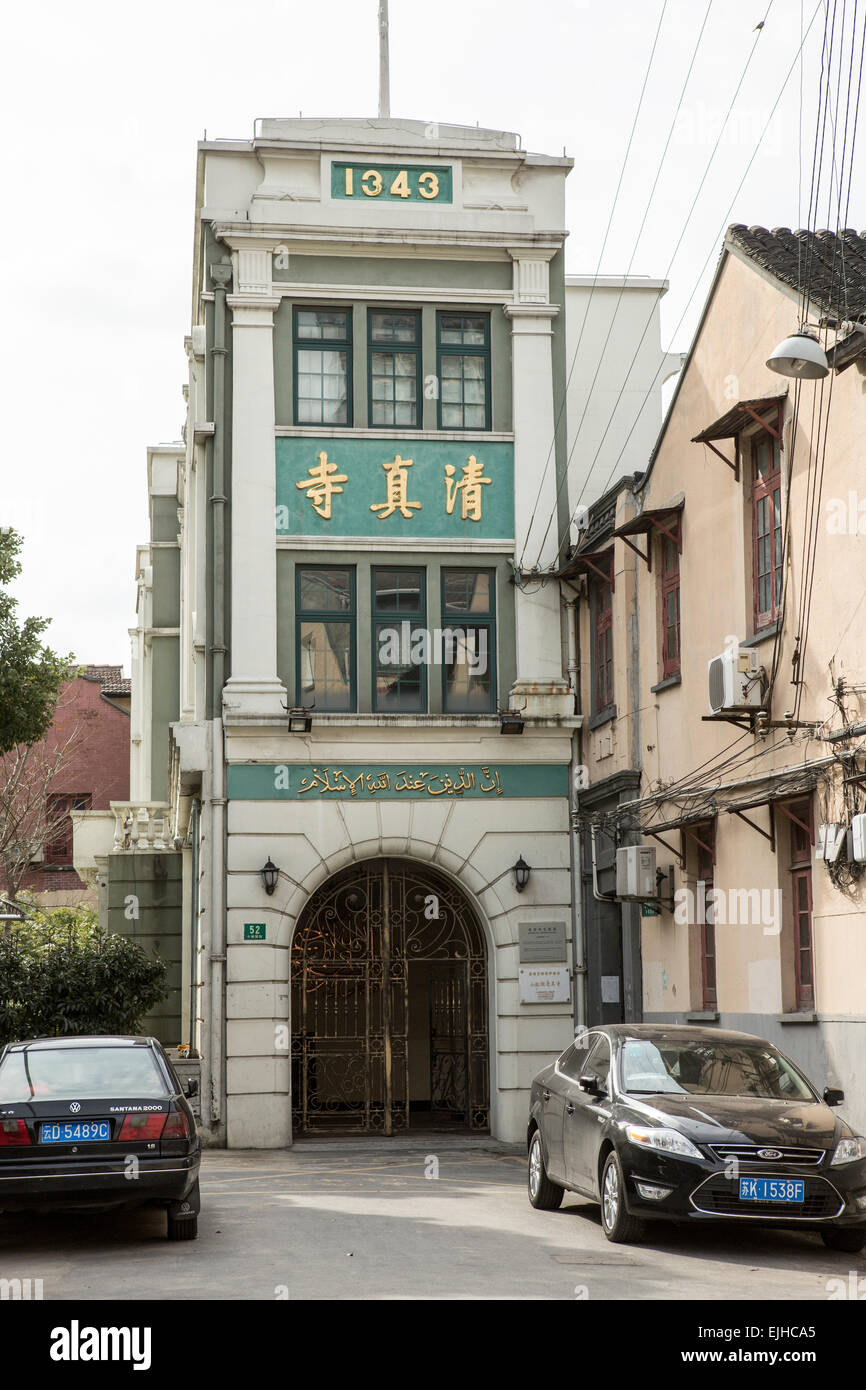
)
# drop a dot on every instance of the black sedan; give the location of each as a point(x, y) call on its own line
point(97, 1122)
point(693, 1124)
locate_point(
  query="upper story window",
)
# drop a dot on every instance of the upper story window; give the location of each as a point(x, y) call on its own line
point(58, 848)
point(394, 368)
point(669, 594)
point(766, 529)
point(463, 368)
point(799, 814)
point(323, 366)
point(325, 637)
point(469, 640)
point(601, 618)
point(399, 611)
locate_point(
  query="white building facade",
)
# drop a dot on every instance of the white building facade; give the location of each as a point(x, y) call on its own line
point(355, 708)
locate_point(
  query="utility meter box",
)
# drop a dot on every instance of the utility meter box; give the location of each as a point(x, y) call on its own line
point(858, 838)
point(636, 873)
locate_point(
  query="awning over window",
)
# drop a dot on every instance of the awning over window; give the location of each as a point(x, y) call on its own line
point(596, 562)
point(661, 519)
point(729, 425)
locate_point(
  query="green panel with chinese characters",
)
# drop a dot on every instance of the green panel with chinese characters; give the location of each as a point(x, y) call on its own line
point(392, 183)
point(395, 489)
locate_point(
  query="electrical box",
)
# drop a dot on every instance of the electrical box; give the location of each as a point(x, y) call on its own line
point(858, 839)
point(830, 841)
point(636, 873)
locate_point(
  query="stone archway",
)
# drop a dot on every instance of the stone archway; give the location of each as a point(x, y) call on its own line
point(389, 1004)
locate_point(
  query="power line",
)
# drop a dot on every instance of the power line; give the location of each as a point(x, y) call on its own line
point(564, 399)
point(699, 280)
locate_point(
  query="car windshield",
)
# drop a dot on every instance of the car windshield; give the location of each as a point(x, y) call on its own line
point(709, 1069)
point(81, 1073)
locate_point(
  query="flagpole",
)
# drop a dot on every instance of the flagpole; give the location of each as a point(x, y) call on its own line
point(384, 67)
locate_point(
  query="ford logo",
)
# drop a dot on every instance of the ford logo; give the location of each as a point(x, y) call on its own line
point(75, 1107)
point(769, 1153)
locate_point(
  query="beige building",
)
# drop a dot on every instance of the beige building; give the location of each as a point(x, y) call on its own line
point(723, 641)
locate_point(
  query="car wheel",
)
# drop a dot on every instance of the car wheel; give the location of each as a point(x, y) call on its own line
point(851, 1241)
point(543, 1194)
point(187, 1229)
point(616, 1222)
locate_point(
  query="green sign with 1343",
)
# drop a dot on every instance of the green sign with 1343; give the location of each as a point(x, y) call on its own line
point(392, 183)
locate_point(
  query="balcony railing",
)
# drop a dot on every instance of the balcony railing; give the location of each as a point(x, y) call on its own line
point(141, 826)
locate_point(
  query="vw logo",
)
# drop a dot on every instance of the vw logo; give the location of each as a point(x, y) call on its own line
point(75, 1107)
point(769, 1153)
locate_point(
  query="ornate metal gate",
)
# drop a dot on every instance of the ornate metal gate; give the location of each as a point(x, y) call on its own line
point(351, 958)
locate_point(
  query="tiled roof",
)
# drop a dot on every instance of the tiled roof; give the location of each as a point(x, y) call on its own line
point(111, 679)
point(833, 267)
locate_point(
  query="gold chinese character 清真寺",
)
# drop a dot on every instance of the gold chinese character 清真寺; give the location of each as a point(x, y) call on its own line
point(470, 485)
point(321, 485)
point(396, 476)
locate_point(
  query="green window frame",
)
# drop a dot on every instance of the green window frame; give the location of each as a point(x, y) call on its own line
point(467, 603)
point(394, 396)
point(322, 362)
point(325, 656)
point(398, 595)
point(463, 370)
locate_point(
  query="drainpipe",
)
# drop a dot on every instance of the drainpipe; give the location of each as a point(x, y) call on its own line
point(194, 820)
point(570, 595)
point(221, 276)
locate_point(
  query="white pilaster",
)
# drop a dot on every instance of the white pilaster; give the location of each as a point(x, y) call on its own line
point(540, 688)
point(253, 687)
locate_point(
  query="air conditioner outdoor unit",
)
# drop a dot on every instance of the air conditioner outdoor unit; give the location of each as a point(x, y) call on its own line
point(636, 873)
point(734, 681)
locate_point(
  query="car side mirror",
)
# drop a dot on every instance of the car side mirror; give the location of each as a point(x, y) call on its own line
point(833, 1095)
point(590, 1085)
point(191, 1088)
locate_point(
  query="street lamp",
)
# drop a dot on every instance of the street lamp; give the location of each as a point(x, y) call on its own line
point(800, 356)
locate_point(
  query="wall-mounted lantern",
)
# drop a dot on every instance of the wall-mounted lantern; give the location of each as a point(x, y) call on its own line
point(521, 874)
point(270, 873)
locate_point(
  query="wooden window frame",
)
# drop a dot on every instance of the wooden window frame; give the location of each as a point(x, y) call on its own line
point(801, 872)
point(394, 617)
point(462, 350)
point(767, 489)
point(669, 584)
point(58, 851)
point(706, 831)
point(391, 349)
point(310, 615)
point(601, 616)
point(323, 345)
point(487, 620)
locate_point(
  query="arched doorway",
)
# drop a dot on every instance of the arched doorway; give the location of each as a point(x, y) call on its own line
point(389, 1005)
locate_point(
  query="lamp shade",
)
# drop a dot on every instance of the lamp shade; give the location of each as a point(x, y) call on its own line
point(801, 356)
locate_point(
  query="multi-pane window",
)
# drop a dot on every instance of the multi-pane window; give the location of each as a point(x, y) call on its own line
point(463, 362)
point(669, 584)
point(704, 839)
point(399, 613)
point(766, 529)
point(58, 847)
point(601, 610)
point(800, 815)
point(323, 366)
point(469, 640)
point(394, 364)
point(325, 637)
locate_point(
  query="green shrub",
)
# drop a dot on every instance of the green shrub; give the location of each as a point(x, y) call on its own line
point(61, 974)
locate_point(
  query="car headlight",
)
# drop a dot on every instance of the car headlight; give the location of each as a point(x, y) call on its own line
point(848, 1151)
point(669, 1141)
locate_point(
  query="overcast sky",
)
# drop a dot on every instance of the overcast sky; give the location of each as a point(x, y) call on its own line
point(103, 105)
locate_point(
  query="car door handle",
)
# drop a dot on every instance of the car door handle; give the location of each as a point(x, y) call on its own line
point(569, 1109)
point(545, 1096)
